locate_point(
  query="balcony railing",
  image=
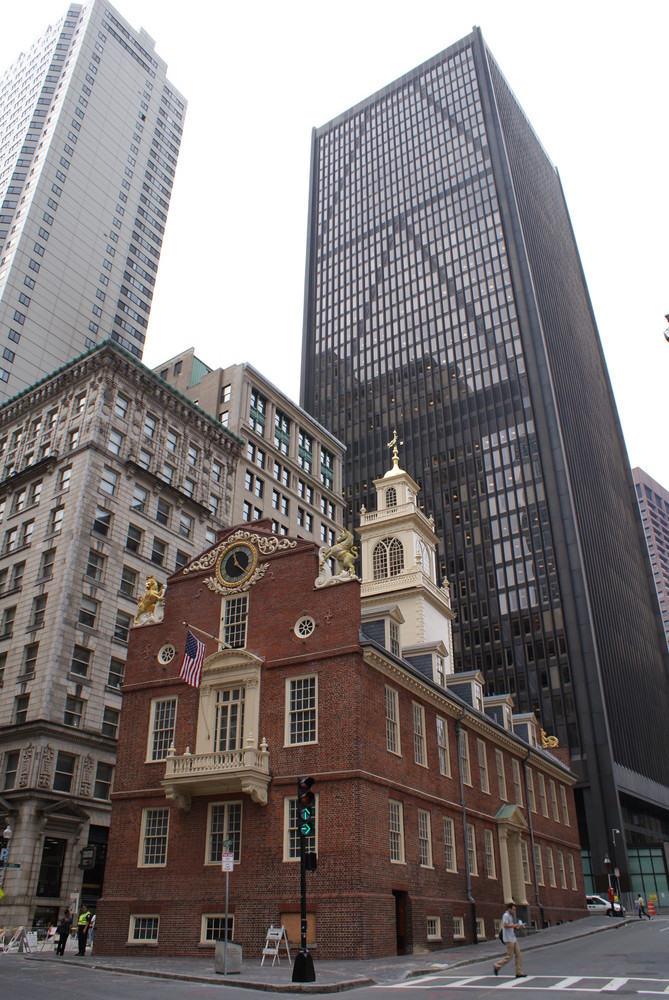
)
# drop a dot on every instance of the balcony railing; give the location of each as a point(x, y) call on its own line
point(220, 772)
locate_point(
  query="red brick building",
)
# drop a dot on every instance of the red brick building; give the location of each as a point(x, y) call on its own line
point(434, 803)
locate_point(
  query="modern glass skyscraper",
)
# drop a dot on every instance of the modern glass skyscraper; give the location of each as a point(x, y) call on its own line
point(90, 131)
point(445, 297)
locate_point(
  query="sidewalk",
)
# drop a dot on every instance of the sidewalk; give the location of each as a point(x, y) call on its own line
point(333, 976)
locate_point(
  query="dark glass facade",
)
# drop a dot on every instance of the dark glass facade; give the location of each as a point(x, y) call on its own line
point(445, 297)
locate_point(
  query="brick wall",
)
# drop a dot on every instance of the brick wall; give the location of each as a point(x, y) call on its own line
point(354, 892)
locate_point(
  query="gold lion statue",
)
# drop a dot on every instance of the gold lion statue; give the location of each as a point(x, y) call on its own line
point(153, 594)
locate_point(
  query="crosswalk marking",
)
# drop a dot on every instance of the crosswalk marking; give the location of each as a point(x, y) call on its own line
point(638, 985)
point(615, 984)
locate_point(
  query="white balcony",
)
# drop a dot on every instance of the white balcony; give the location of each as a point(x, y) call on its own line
point(219, 773)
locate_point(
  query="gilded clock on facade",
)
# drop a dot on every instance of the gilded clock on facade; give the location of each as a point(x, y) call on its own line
point(236, 564)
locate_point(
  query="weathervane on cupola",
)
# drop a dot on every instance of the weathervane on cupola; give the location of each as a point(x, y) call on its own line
point(396, 455)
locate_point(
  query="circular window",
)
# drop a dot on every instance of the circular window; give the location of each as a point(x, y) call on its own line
point(166, 653)
point(304, 627)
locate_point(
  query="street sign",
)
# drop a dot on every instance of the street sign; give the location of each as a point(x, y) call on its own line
point(227, 862)
point(4, 854)
point(12, 865)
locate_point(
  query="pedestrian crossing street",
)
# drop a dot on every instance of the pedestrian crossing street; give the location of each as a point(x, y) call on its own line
point(552, 984)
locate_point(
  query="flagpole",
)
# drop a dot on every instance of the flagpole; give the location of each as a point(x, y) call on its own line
point(216, 638)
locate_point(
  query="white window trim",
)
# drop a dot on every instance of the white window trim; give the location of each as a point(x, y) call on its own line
point(554, 801)
point(436, 933)
point(550, 863)
point(418, 732)
point(531, 797)
point(501, 776)
point(517, 782)
point(471, 849)
point(150, 759)
point(394, 694)
point(490, 860)
point(542, 795)
point(425, 813)
point(525, 861)
point(539, 864)
point(451, 824)
point(203, 927)
point(483, 766)
point(210, 809)
point(286, 735)
point(144, 942)
point(445, 746)
point(141, 863)
point(458, 928)
point(402, 859)
point(562, 871)
point(465, 758)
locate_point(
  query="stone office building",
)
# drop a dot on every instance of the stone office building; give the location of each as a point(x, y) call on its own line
point(291, 471)
point(434, 804)
point(107, 475)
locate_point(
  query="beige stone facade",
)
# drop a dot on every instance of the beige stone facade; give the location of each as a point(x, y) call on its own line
point(291, 471)
point(107, 475)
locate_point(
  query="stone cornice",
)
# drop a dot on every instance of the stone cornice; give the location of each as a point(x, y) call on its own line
point(39, 731)
point(102, 361)
point(28, 473)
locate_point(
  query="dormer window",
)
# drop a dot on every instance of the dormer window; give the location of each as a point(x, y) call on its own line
point(394, 639)
point(391, 497)
point(388, 558)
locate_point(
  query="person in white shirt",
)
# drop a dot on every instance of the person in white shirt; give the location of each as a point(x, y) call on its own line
point(509, 928)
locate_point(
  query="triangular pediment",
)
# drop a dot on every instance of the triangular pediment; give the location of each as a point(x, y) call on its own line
point(227, 662)
point(65, 812)
point(511, 815)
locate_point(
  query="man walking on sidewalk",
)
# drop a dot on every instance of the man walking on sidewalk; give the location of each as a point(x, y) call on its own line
point(509, 928)
point(641, 908)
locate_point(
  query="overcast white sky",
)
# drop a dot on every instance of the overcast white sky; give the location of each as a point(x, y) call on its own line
point(591, 76)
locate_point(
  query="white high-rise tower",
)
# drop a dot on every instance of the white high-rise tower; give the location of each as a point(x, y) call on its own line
point(90, 131)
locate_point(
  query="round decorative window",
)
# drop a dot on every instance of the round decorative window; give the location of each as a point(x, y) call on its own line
point(166, 653)
point(304, 627)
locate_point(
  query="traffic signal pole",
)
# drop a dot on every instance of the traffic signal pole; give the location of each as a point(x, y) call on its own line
point(303, 969)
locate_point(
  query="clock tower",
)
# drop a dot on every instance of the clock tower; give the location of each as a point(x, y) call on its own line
point(399, 592)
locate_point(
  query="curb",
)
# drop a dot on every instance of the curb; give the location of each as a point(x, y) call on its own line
point(313, 988)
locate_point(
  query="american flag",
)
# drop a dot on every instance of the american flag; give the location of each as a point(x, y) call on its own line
point(191, 667)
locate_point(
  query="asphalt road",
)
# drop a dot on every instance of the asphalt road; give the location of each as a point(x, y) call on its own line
point(633, 961)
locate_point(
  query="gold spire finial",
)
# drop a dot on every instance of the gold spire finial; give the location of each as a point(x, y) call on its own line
point(396, 455)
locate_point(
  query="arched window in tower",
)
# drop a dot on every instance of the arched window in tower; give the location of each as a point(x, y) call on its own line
point(391, 497)
point(395, 557)
point(387, 558)
point(423, 556)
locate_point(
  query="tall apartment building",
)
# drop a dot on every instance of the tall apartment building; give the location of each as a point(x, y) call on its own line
point(107, 476)
point(90, 130)
point(291, 472)
point(445, 297)
point(653, 501)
